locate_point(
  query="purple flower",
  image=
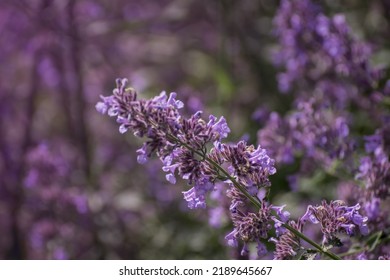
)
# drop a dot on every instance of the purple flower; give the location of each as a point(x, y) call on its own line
point(362, 256)
point(372, 208)
point(372, 143)
point(245, 250)
point(219, 128)
point(251, 226)
point(182, 146)
point(374, 170)
point(196, 196)
point(142, 155)
point(315, 47)
point(51, 203)
point(283, 215)
point(216, 216)
point(313, 131)
point(251, 166)
point(287, 245)
point(231, 238)
point(336, 218)
point(101, 107)
point(261, 249)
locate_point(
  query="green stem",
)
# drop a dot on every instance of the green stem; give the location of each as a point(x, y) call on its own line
point(255, 201)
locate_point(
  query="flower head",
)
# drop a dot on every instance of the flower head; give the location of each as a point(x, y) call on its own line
point(288, 244)
point(181, 143)
point(335, 218)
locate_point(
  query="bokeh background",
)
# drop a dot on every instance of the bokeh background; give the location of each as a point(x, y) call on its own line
point(70, 186)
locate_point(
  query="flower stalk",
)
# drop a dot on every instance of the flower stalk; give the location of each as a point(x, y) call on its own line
point(181, 144)
point(257, 202)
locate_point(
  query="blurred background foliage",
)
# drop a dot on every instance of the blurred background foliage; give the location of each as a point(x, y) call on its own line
point(70, 184)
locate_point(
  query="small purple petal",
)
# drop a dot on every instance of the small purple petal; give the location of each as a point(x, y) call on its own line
point(171, 178)
point(261, 249)
point(101, 107)
point(231, 239)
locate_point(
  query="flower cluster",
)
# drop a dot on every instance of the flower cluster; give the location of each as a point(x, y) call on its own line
point(52, 235)
point(335, 218)
point(374, 173)
point(182, 143)
point(315, 47)
point(69, 188)
point(252, 226)
point(328, 69)
point(314, 131)
point(288, 244)
point(335, 86)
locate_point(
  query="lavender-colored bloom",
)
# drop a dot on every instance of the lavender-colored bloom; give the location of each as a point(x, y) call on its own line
point(279, 228)
point(372, 208)
point(196, 196)
point(219, 213)
point(216, 216)
point(335, 218)
point(282, 214)
point(312, 131)
point(372, 143)
point(181, 143)
point(316, 47)
point(142, 155)
point(251, 166)
point(275, 137)
point(249, 226)
point(101, 107)
point(374, 170)
point(231, 238)
point(261, 249)
point(44, 167)
point(282, 217)
point(50, 203)
point(245, 250)
point(374, 174)
point(219, 127)
point(171, 178)
point(287, 245)
point(159, 120)
point(362, 256)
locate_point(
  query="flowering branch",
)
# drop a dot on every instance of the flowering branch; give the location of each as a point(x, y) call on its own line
point(257, 203)
point(181, 144)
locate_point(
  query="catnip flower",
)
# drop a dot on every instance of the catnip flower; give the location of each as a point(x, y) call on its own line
point(252, 226)
point(334, 218)
point(288, 244)
point(182, 143)
point(315, 47)
point(313, 130)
